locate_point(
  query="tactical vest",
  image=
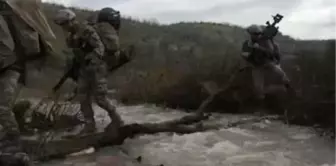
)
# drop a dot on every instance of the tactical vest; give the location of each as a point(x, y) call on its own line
point(113, 56)
point(258, 57)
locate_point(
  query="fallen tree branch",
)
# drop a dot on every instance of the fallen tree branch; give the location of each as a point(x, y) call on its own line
point(214, 92)
point(60, 147)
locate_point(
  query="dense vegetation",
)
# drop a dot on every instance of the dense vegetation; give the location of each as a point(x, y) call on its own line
point(174, 60)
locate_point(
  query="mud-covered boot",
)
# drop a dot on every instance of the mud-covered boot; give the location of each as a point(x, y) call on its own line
point(80, 130)
point(113, 129)
point(89, 128)
point(114, 126)
point(116, 120)
point(290, 90)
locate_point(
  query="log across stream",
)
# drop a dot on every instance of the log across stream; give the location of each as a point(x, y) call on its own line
point(56, 145)
point(220, 139)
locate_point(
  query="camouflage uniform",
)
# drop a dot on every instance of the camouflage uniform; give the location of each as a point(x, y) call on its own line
point(66, 115)
point(264, 56)
point(9, 79)
point(92, 80)
point(16, 31)
point(109, 36)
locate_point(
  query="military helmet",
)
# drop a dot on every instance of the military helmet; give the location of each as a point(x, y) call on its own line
point(111, 16)
point(254, 29)
point(64, 16)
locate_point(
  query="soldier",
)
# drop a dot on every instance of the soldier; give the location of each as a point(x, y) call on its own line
point(92, 80)
point(263, 55)
point(25, 35)
point(65, 116)
point(108, 26)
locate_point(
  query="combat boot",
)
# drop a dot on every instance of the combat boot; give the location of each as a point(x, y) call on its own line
point(80, 130)
point(290, 90)
point(89, 128)
point(117, 121)
point(115, 118)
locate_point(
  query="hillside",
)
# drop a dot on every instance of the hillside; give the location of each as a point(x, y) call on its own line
point(175, 66)
point(174, 60)
point(184, 35)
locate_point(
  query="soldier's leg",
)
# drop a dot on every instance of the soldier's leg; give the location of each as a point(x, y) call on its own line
point(258, 82)
point(103, 102)
point(275, 68)
point(278, 70)
point(100, 95)
point(85, 97)
point(8, 88)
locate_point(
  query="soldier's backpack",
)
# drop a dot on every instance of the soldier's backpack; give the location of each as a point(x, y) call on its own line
point(107, 27)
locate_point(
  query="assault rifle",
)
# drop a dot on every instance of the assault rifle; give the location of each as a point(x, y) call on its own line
point(271, 30)
point(73, 72)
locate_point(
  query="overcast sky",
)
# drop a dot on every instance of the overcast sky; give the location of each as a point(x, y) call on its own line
point(303, 19)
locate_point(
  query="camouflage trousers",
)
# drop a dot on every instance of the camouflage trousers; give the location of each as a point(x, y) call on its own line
point(92, 86)
point(258, 77)
point(9, 140)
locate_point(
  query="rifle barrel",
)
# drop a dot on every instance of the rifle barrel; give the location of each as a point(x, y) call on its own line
point(62, 80)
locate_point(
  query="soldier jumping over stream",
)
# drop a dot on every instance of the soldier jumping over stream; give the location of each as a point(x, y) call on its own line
point(264, 55)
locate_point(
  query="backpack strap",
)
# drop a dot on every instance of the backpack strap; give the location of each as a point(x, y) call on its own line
point(19, 49)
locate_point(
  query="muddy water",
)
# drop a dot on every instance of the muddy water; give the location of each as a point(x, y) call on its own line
point(266, 143)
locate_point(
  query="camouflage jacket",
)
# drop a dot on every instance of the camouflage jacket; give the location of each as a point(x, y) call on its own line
point(109, 36)
point(100, 40)
point(86, 43)
point(268, 51)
